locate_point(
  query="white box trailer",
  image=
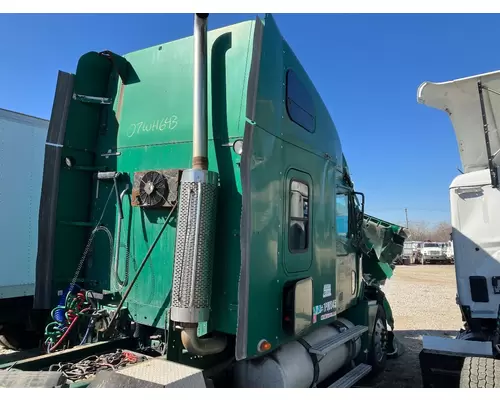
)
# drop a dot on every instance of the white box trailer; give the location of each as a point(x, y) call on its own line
point(22, 153)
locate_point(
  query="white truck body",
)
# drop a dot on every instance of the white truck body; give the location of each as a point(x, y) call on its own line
point(432, 252)
point(22, 151)
point(475, 211)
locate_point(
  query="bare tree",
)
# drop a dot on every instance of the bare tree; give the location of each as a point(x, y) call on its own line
point(441, 233)
point(422, 231)
point(419, 230)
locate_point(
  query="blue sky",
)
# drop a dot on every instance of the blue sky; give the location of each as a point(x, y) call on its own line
point(366, 67)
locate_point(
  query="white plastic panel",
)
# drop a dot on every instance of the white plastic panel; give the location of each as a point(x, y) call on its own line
point(22, 150)
point(460, 100)
point(475, 218)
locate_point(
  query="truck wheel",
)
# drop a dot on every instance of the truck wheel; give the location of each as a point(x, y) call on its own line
point(17, 337)
point(480, 372)
point(377, 356)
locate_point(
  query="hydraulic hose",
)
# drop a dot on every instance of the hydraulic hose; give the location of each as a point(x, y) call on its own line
point(136, 276)
point(121, 283)
point(59, 311)
point(52, 348)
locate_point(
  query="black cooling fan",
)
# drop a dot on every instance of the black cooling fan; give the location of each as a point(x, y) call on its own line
point(152, 189)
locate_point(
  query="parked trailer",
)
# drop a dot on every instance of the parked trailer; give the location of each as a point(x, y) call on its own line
point(22, 151)
point(472, 358)
point(203, 212)
point(410, 251)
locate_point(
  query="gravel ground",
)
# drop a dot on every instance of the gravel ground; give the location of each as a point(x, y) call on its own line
point(423, 303)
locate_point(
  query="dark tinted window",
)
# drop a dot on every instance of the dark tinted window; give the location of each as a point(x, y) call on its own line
point(299, 103)
point(298, 232)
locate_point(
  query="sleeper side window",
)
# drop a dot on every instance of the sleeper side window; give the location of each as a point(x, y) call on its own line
point(298, 228)
point(299, 103)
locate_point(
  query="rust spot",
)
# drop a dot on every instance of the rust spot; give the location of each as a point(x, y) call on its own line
point(135, 197)
point(200, 162)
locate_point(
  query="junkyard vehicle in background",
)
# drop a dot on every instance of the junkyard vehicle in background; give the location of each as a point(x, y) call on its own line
point(431, 252)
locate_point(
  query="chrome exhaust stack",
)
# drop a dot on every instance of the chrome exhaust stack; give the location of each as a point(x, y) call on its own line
point(196, 222)
point(200, 89)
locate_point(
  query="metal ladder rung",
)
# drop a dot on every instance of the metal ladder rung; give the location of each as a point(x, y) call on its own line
point(353, 376)
point(338, 340)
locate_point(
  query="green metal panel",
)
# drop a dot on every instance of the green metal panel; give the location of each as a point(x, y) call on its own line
point(156, 133)
point(382, 243)
point(92, 77)
point(149, 125)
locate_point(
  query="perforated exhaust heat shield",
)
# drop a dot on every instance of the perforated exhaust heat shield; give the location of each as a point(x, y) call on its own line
point(193, 262)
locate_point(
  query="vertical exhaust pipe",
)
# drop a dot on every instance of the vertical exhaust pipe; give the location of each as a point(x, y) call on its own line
point(196, 222)
point(200, 89)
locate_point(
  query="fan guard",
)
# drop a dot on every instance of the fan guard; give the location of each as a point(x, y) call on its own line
point(152, 189)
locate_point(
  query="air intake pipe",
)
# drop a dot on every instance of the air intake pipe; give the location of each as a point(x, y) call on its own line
point(196, 222)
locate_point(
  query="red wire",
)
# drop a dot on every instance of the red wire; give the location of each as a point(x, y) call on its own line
point(67, 331)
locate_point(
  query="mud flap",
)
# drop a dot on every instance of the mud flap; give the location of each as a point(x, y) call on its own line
point(395, 347)
point(441, 359)
point(440, 371)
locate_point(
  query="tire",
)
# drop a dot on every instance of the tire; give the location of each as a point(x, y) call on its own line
point(9, 342)
point(17, 337)
point(480, 372)
point(377, 356)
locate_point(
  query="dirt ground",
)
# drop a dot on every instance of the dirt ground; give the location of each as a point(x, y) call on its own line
point(423, 303)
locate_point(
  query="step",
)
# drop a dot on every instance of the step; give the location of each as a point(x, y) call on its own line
point(153, 373)
point(353, 376)
point(338, 340)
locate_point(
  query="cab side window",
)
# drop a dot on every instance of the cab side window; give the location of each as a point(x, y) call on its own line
point(342, 221)
point(298, 234)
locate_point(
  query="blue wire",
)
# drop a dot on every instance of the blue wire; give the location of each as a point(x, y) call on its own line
point(86, 333)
